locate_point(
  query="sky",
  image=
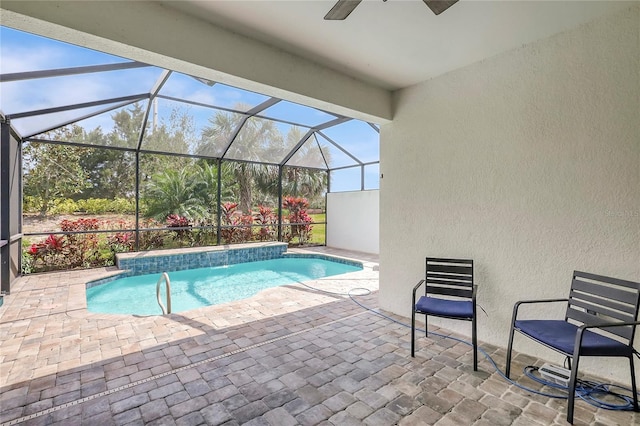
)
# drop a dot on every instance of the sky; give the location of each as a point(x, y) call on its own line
point(24, 52)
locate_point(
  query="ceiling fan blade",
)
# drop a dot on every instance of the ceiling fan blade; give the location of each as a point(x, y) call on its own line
point(439, 6)
point(341, 10)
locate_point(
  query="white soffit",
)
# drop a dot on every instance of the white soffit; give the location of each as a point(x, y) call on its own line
point(398, 43)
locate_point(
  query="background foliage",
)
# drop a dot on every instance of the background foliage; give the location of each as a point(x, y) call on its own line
point(175, 191)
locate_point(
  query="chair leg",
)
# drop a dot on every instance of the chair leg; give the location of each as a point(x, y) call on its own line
point(413, 332)
point(426, 329)
point(572, 387)
point(507, 369)
point(474, 341)
point(633, 384)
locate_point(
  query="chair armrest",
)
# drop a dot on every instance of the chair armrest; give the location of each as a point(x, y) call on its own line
point(523, 302)
point(413, 299)
point(583, 327)
point(610, 324)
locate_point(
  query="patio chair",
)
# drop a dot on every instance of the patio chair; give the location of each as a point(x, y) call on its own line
point(453, 279)
point(600, 320)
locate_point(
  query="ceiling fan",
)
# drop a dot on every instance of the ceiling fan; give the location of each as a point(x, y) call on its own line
point(343, 8)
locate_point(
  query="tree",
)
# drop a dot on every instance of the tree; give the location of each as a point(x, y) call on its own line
point(111, 172)
point(172, 136)
point(303, 181)
point(54, 171)
point(174, 192)
point(257, 137)
point(206, 185)
point(298, 181)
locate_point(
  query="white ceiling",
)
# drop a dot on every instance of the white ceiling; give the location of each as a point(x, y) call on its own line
point(397, 43)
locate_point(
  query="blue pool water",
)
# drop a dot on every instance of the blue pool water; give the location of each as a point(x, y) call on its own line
point(196, 288)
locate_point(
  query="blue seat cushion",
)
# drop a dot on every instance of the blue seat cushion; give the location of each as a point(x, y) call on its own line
point(561, 335)
point(446, 308)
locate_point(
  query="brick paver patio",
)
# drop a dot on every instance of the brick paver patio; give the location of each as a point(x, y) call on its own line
point(288, 356)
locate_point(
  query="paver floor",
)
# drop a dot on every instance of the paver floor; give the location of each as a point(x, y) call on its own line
point(291, 355)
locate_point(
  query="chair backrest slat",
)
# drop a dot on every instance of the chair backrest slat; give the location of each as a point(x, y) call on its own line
point(596, 310)
point(449, 282)
point(597, 300)
point(625, 332)
point(626, 310)
point(616, 281)
point(450, 291)
point(451, 269)
point(450, 277)
point(603, 291)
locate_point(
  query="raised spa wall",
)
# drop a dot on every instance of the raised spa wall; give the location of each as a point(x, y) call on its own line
point(151, 262)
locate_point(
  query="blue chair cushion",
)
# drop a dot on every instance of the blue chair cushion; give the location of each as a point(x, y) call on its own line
point(561, 335)
point(445, 308)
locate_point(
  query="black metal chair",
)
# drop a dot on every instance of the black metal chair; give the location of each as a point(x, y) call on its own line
point(600, 320)
point(452, 278)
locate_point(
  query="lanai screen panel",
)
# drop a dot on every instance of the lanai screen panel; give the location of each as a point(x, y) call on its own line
point(205, 92)
point(372, 176)
point(309, 155)
point(345, 179)
point(103, 106)
point(358, 138)
point(296, 113)
point(264, 140)
point(119, 127)
point(184, 128)
point(333, 155)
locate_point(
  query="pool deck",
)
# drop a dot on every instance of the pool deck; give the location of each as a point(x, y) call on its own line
point(290, 355)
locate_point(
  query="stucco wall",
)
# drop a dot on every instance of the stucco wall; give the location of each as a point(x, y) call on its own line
point(529, 163)
point(353, 221)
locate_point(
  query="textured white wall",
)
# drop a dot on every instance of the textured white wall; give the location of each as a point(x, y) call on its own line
point(529, 163)
point(353, 220)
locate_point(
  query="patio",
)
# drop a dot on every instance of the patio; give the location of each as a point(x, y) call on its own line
point(290, 355)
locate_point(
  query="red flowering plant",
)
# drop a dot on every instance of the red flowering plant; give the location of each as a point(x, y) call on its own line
point(267, 221)
point(300, 222)
point(245, 230)
point(150, 240)
point(122, 242)
point(82, 224)
point(177, 221)
point(83, 247)
point(235, 226)
point(49, 254)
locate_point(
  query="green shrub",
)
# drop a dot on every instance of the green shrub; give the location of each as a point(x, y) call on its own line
point(103, 205)
point(123, 206)
point(64, 206)
point(93, 205)
point(31, 204)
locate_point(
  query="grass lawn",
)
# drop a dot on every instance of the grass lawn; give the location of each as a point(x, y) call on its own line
point(318, 231)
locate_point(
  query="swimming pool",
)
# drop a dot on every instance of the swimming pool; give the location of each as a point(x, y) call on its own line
point(195, 288)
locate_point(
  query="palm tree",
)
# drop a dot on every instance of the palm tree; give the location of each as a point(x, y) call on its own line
point(174, 192)
point(256, 138)
point(302, 181)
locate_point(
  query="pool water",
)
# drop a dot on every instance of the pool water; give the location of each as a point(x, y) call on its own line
point(196, 288)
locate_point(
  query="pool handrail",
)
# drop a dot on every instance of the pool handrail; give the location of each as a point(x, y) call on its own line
point(167, 282)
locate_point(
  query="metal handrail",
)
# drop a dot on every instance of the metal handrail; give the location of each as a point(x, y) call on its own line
point(167, 283)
